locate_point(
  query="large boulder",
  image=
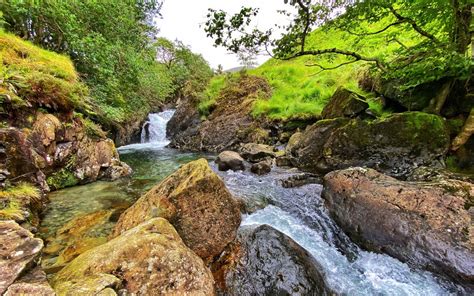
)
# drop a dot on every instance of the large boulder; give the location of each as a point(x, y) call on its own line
point(344, 103)
point(264, 261)
point(428, 225)
point(394, 145)
point(195, 200)
point(18, 252)
point(229, 122)
point(150, 259)
point(230, 160)
point(255, 152)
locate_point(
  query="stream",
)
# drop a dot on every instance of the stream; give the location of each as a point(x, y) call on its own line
point(297, 212)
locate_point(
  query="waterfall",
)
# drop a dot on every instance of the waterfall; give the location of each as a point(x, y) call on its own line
point(154, 129)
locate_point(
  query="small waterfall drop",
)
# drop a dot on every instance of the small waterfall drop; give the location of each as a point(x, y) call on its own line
point(154, 130)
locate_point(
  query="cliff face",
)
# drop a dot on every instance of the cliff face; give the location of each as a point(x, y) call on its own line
point(55, 153)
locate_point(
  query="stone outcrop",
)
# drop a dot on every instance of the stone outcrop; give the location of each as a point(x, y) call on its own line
point(264, 261)
point(195, 200)
point(394, 145)
point(229, 122)
point(149, 259)
point(344, 103)
point(18, 254)
point(254, 152)
point(55, 152)
point(230, 160)
point(32, 283)
point(427, 224)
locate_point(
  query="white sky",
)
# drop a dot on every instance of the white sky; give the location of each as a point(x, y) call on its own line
point(182, 20)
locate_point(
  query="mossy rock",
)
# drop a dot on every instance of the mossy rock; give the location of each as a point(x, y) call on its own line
point(62, 179)
point(394, 145)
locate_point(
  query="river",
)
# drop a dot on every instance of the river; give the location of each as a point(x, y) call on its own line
point(297, 212)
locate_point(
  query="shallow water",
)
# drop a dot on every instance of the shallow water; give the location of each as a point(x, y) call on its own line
point(297, 212)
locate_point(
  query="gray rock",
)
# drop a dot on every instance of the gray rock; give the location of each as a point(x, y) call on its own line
point(230, 160)
point(264, 261)
point(263, 167)
point(256, 152)
point(427, 225)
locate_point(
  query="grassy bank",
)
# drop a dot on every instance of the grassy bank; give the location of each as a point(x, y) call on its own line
point(300, 88)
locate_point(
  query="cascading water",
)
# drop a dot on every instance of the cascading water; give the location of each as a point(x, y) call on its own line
point(154, 130)
point(297, 212)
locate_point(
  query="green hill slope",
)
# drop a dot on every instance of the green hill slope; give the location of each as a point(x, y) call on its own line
point(300, 90)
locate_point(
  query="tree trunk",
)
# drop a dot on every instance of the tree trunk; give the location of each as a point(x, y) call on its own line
point(465, 134)
point(437, 103)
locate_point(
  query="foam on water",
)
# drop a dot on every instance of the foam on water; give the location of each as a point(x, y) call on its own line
point(369, 274)
point(154, 130)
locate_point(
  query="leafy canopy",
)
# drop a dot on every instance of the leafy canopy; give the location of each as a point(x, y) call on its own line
point(441, 29)
point(110, 43)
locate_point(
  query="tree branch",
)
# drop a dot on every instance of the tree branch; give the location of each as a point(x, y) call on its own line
point(307, 23)
point(355, 55)
point(399, 22)
point(330, 68)
point(414, 25)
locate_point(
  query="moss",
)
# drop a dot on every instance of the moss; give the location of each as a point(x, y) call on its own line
point(62, 179)
point(31, 75)
point(15, 200)
point(93, 130)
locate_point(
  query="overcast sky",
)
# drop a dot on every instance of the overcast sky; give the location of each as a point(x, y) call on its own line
point(183, 20)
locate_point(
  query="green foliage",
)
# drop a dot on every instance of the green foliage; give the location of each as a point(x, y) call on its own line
point(189, 72)
point(208, 98)
point(109, 43)
point(438, 32)
point(93, 130)
point(62, 179)
point(14, 197)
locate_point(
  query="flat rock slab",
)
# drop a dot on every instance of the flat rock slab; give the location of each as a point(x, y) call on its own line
point(18, 251)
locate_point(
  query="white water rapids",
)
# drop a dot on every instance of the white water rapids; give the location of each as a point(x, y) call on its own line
point(300, 214)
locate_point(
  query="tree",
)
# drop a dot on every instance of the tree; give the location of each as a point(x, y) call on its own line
point(442, 30)
point(109, 42)
point(189, 72)
point(247, 59)
point(219, 70)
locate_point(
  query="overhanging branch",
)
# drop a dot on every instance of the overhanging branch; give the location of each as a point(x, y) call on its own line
point(355, 55)
point(414, 25)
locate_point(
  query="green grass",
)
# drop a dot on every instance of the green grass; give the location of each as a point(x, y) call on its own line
point(31, 75)
point(13, 198)
point(301, 91)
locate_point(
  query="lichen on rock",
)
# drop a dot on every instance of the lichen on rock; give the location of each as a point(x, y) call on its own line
point(195, 200)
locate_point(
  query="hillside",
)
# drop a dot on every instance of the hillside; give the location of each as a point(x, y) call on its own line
point(300, 91)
